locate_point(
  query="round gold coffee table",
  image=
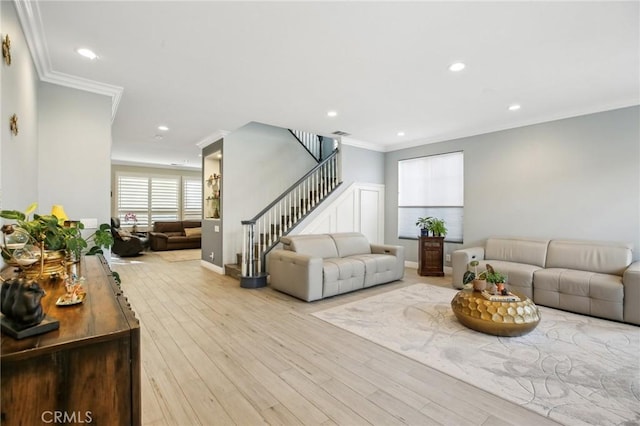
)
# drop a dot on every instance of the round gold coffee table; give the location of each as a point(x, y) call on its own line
point(498, 318)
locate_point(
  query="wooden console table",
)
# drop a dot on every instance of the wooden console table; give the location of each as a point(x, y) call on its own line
point(431, 256)
point(88, 371)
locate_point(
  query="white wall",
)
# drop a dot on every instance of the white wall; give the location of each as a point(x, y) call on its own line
point(577, 178)
point(75, 148)
point(19, 89)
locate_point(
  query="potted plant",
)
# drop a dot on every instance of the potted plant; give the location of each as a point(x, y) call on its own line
point(437, 227)
point(50, 240)
point(424, 223)
point(479, 280)
point(496, 278)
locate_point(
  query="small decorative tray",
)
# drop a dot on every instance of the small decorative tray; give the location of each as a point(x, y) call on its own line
point(68, 300)
point(75, 294)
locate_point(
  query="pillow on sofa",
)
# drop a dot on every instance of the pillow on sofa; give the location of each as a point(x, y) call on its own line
point(192, 232)
point(125, 235)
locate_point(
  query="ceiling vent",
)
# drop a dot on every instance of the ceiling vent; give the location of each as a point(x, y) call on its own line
point(341, 133)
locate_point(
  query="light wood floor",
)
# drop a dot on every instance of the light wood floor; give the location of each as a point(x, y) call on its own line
point(216, 354)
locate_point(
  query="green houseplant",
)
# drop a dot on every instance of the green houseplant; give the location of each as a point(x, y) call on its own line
point(47, 234)
point(438, 228)
point(424, 223)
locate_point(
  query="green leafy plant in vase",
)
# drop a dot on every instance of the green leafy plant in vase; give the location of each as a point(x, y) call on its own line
point(49, 241)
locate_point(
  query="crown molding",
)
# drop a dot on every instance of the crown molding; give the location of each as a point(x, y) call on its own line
point(362, 144)
point(31, 22)
point(212, 138)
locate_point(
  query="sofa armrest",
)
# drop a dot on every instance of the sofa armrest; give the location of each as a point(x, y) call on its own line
point(158, 240)
point(296, 274)
point(397, 251)
point(631, 282)
point(460, 260)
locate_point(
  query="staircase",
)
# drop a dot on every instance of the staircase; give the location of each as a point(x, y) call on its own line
point(262, 232)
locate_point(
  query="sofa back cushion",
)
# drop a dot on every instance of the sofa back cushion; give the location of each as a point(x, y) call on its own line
point(518, 250)
point(602, 257)
point(168, 227)
point(316, 245)
point(350, 243)
point(191, 224)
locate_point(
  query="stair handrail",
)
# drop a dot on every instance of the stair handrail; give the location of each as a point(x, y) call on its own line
point(291, 188)
point(325, 178)
point(318, 156)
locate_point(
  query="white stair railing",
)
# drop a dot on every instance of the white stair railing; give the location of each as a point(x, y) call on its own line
point(262, 232)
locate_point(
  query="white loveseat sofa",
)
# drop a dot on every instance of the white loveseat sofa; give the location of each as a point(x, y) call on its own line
point(312, 267)
point(588, 277)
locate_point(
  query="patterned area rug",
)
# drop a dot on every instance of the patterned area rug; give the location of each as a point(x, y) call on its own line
point(573, 369)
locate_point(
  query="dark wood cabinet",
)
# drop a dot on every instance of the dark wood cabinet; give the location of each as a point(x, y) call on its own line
point(431, 256)
point(87, 371)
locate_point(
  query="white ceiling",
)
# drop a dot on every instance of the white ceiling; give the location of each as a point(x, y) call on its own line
point(204, 67)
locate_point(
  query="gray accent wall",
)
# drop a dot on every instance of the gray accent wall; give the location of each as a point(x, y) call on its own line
point(212, 228)
point(362, 165)
point(577, 178)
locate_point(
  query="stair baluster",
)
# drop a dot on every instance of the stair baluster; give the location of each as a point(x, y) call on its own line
point(282, 215)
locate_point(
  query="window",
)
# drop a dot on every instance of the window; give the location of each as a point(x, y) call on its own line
point(153, 198)
point(431, 186)
point(191, 198)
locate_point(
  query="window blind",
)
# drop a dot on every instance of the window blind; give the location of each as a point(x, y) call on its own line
point(431, 186)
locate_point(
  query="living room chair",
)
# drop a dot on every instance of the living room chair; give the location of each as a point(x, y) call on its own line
point(124, 243)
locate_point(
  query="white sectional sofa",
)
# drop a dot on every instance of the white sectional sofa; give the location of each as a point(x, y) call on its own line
point(588, 277)
point(312, 267)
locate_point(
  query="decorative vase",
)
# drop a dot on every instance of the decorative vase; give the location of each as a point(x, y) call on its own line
point(52, 264)
point(479, 285)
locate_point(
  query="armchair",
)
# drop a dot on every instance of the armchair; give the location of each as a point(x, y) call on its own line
point(124, 243)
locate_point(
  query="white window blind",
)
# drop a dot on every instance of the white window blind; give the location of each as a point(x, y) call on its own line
point(153, 198)
point(164, 198)
point(133, 197)
point(431, 186)
point(191, 198)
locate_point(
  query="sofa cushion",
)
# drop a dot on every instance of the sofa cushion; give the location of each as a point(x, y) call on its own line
point(593, 256)
point(583, 292)
point(168, 227)
point(350, 243)
point(341, 275)
point(193, 232)
point(519, 275)
point(191, 224)
point(518, 250)
point(378, 268)
point(320, 245)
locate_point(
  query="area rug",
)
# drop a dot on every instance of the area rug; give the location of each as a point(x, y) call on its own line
point(179, 255)
point(572, 369)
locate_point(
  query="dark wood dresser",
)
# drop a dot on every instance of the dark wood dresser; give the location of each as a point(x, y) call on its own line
point(431, 256)
point(87, 371)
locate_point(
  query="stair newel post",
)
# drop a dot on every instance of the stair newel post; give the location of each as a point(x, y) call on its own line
point(251, 275)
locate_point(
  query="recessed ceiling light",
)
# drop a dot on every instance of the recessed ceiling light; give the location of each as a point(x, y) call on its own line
point(458, 66)
point(163, 128)
point(332, 113)
point(514, 107)
point(400, 133)
point(87, 53)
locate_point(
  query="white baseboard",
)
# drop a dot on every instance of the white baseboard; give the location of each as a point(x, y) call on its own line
point(215, 268)
point(408, 264)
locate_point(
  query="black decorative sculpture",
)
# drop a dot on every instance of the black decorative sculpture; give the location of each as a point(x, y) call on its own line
point(21, 302)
